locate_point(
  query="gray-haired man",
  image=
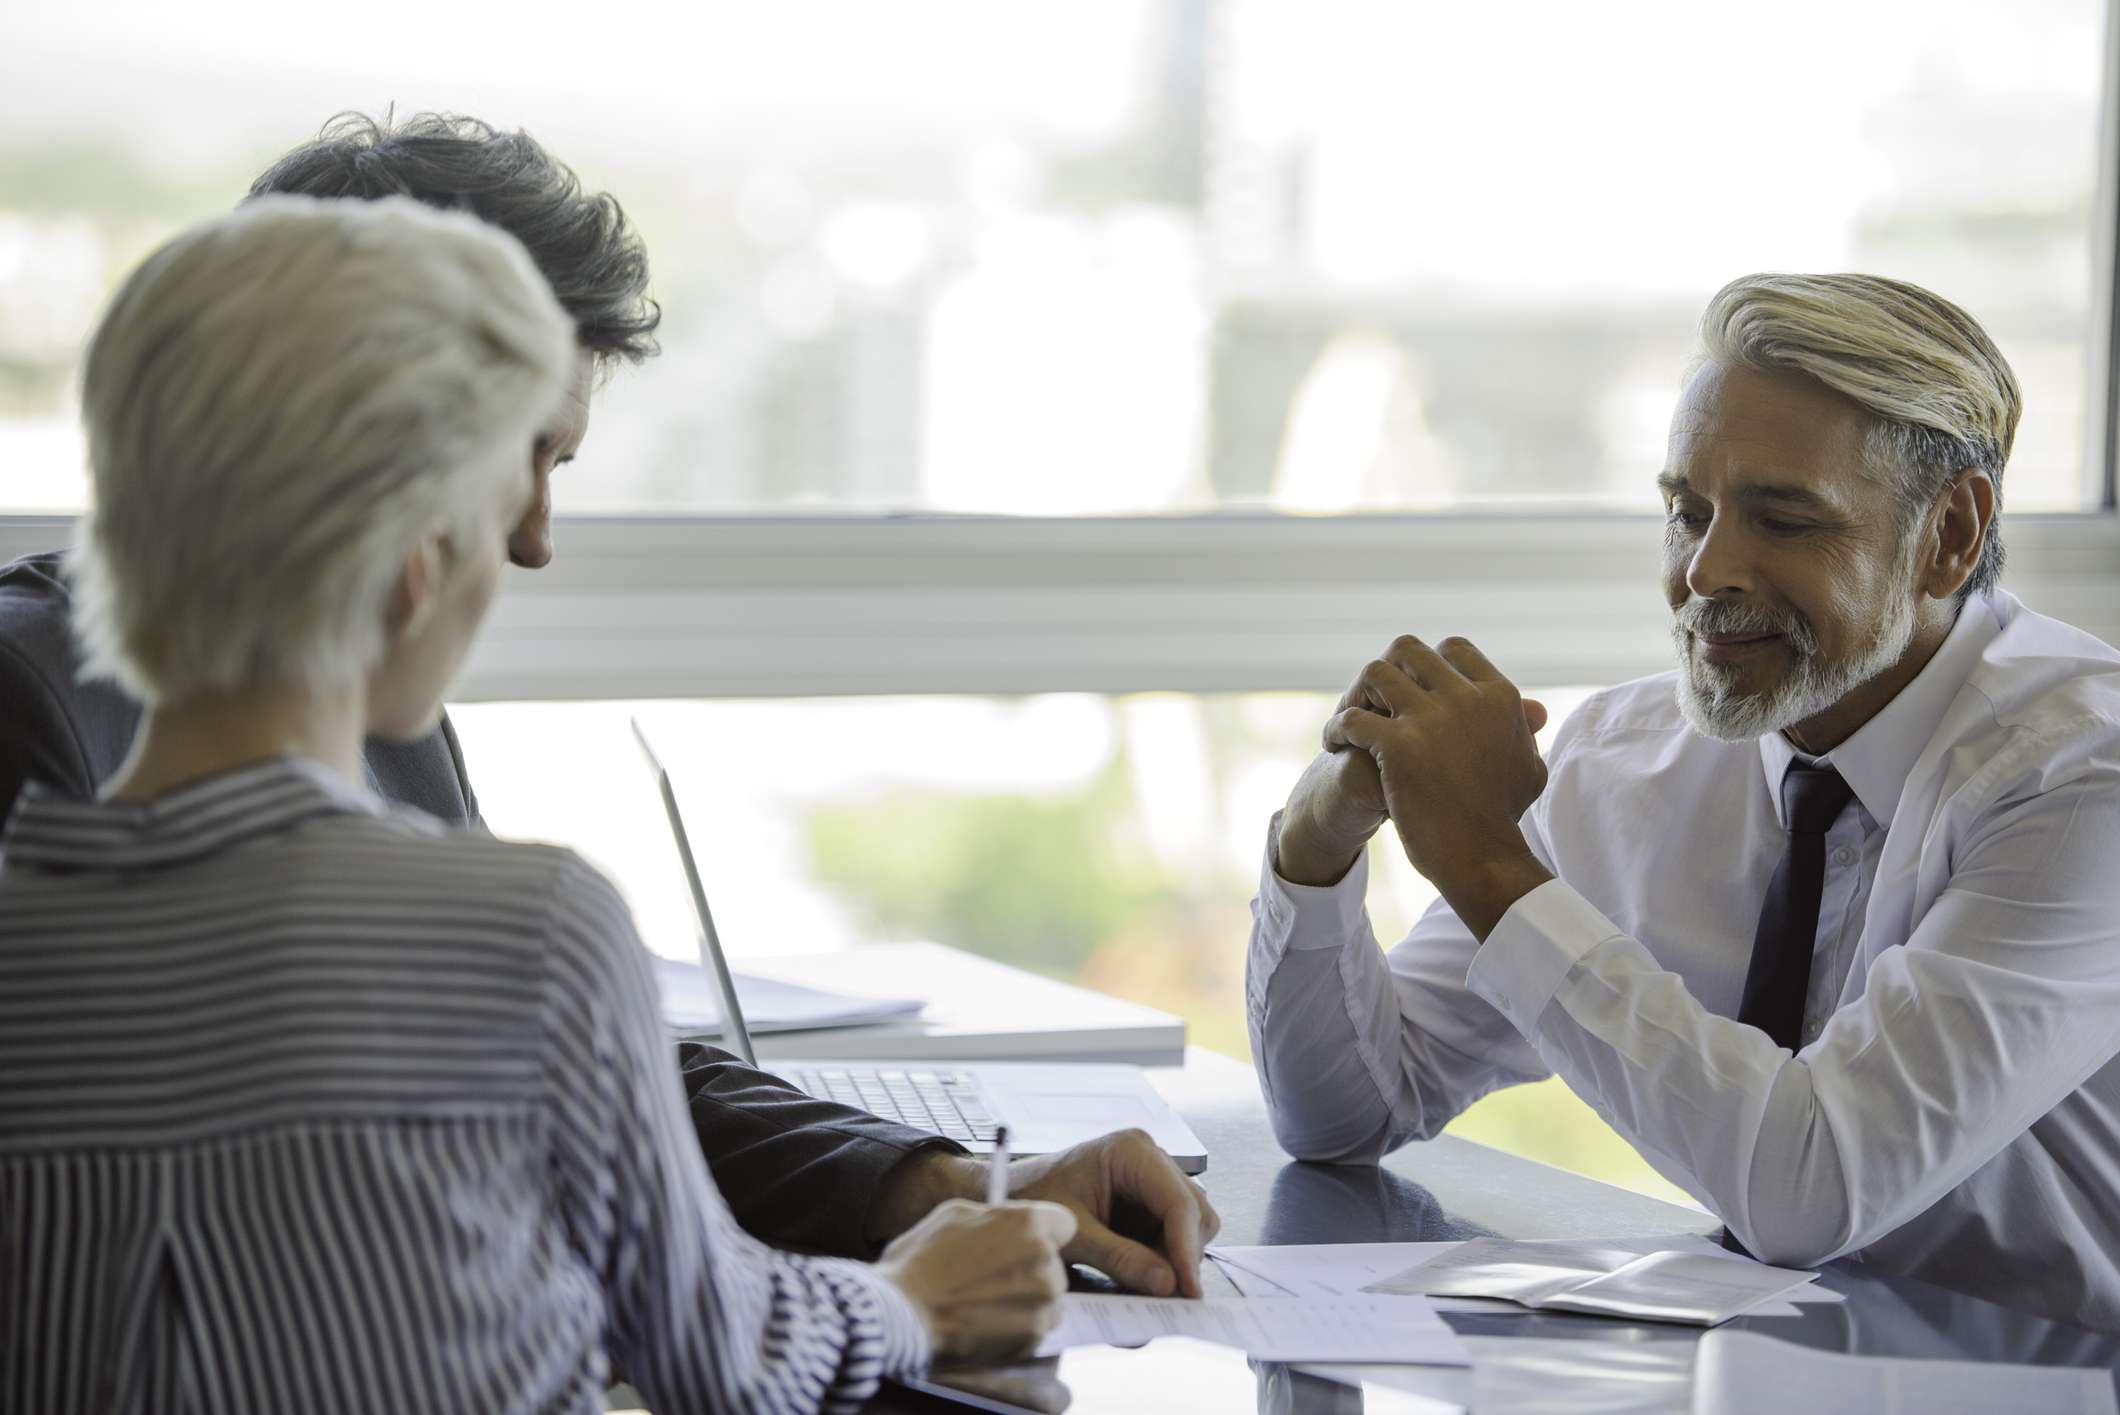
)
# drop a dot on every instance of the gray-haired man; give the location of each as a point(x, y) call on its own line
point(1827, 923)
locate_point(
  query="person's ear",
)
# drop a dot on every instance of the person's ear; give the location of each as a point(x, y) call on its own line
point(1964, 517)
point(413, 594)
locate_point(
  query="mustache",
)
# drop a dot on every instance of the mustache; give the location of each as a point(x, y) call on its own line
point(1723, 618)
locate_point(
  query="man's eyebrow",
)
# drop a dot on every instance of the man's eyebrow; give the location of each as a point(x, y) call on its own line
point(1780, 493)
point(1783, 494)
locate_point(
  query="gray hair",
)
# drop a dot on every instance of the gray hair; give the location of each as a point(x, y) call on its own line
point(281, 404)
point(1942, 396)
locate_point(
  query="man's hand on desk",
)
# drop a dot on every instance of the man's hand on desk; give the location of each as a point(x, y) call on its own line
point(1450, 738)
point(1138, 1218)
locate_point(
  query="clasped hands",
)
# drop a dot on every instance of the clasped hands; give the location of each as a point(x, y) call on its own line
point(1438, 742)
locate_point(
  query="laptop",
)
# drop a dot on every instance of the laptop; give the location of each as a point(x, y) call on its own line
point(1046, 1106)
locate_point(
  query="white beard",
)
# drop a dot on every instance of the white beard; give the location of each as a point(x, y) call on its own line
point(1708, 696)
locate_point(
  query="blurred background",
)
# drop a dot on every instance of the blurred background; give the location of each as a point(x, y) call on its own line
point(1067, 259)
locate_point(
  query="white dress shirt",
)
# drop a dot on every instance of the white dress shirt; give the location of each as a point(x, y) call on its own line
point(1954, 1113)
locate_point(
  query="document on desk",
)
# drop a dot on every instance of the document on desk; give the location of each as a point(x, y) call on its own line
point(1744, 1373)
point(1338, 1269)
point(1383, 1330)
point(1594, 1279)
point(692, 1007)
point(1317, 1269)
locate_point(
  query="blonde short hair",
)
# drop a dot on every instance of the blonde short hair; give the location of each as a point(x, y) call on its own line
point(1943, 397)
point(280, 405)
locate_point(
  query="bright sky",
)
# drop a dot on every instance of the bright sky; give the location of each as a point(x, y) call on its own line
point(1548, 154)
point(711, 74)
point(1554, 148)
point(1704, 126)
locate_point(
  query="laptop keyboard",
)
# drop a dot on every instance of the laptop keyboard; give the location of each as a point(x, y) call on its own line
point(943, 1103)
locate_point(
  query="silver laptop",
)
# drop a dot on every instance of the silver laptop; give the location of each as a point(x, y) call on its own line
point(1046, 1106)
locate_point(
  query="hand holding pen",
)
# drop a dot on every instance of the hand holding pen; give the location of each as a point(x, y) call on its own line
point(986, 1278)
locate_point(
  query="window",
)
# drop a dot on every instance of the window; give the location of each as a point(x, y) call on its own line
point(1092, 258)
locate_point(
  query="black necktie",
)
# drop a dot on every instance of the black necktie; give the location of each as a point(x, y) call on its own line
point(1812, 798)
point(1779, 979)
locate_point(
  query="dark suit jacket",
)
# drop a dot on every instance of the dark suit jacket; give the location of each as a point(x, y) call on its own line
point(798, 1172)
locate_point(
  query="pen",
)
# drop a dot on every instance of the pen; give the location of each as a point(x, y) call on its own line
point(997, 1167)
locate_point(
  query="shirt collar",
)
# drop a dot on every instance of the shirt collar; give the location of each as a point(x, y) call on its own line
point(1877, 759)
point(52, 831)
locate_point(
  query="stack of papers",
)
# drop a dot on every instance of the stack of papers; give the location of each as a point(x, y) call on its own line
point(1389, 1330)
point(1600, 1281)
point(692, 1006)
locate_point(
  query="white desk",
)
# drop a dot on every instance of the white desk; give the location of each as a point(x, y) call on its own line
point(1448, 1188)
point(978, 1010)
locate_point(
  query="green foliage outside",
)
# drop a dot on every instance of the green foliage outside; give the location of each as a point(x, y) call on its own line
point(106, 180)
point(1548, 1122)
point(1038, 882)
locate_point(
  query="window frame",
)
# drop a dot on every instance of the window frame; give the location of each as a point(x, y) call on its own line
point(781, 607)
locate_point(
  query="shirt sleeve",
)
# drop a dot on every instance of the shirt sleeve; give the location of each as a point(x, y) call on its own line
point(2003, 1000)
point(702, 1315)
point(1358, 1053)
point(786, 1161)
point(41, 727)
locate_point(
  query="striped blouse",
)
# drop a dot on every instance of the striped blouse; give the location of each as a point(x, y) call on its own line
point(307, 1103)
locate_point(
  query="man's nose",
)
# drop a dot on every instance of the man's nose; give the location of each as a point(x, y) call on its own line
point(1719, 564)
point(530, 544)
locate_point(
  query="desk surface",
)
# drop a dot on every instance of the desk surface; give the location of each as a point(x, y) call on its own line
point(1449, 1188)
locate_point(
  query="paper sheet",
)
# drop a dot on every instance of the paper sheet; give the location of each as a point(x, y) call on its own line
point(1702, 1289)
point(1744, 1373)
point(1507, 1268)
point(692, 1006)
point(1318, 1269)
point(1339, 1269)
point(1680, 1287)
point(1392, 1330)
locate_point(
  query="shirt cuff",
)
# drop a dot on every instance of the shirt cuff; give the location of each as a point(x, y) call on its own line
point(1533, 949)
point(906, 1348)
point(1307, 916)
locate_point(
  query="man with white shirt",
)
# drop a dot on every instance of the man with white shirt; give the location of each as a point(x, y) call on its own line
point(1826, 923)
